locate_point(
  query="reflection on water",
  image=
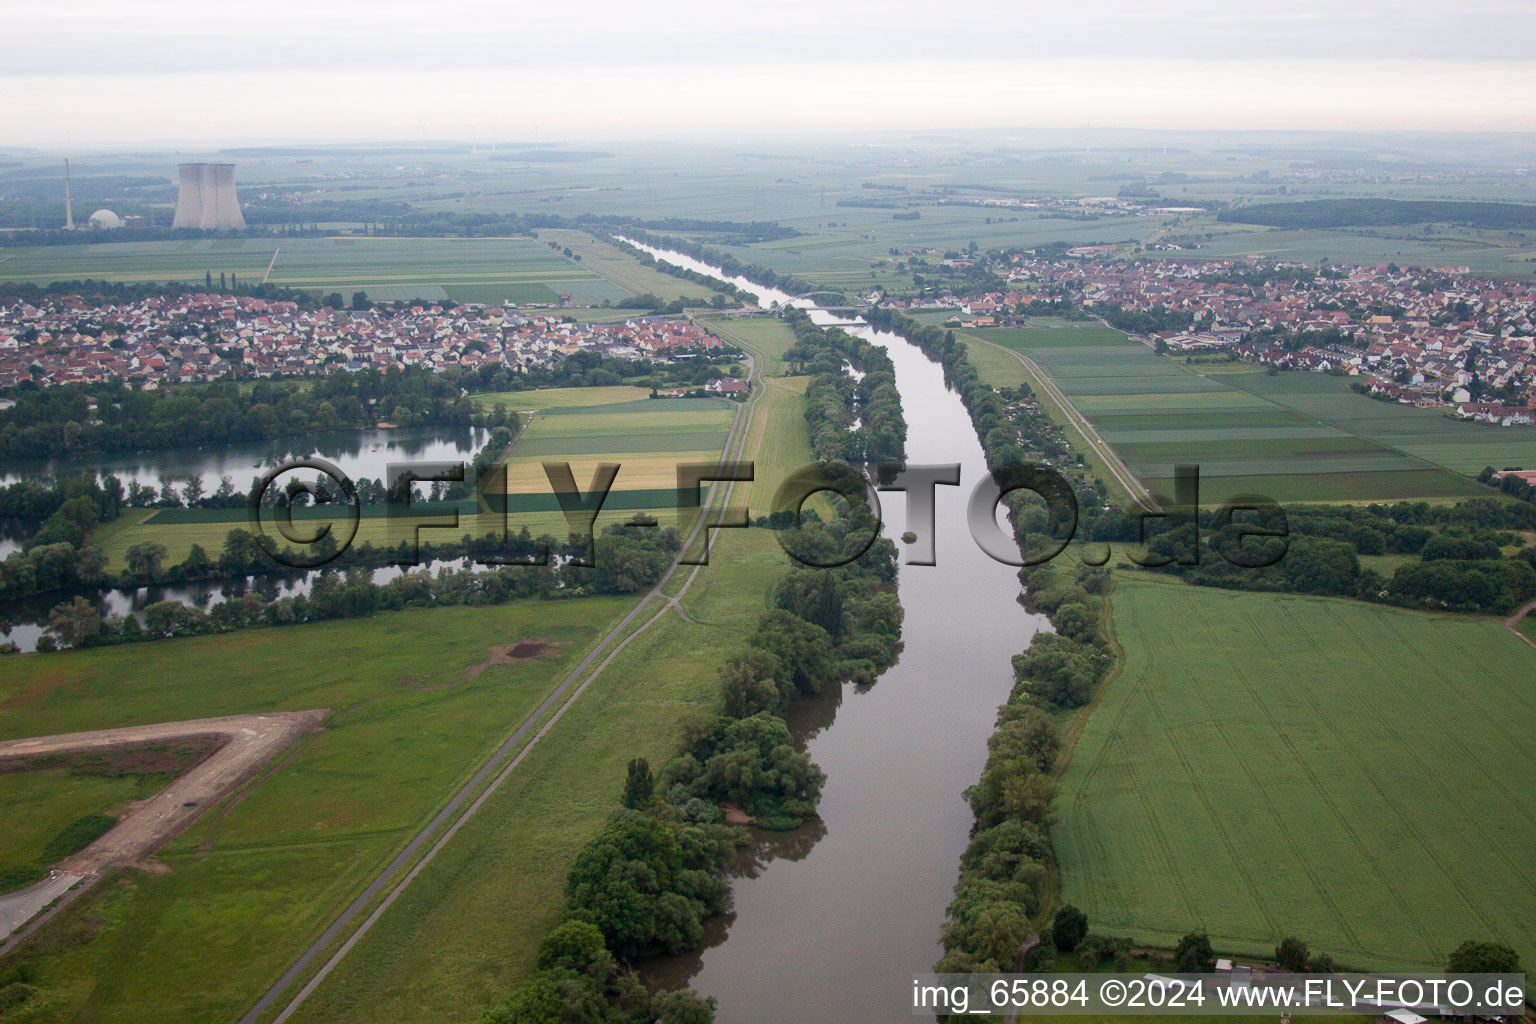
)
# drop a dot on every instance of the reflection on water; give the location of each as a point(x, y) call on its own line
point(22, 622)
point(828, 923)
point(358, 453)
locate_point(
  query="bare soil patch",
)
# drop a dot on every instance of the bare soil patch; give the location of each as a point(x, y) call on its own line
point(171, 759)
point(510, 654)
point(228, 751)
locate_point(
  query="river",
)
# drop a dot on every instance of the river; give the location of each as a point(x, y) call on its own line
point(828, 923)
point(358, 453)
point(23, 621)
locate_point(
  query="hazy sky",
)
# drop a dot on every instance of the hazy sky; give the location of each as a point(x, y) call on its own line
point(115, 72)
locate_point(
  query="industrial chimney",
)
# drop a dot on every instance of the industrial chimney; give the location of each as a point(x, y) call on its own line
point(207, 198)
point(69, 210)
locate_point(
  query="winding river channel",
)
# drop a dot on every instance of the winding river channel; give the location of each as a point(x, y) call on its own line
point(828, 923)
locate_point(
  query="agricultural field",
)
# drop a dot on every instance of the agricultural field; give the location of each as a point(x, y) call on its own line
point(648, 438)
point(1501, 253)
point(262, 875)
point(445, 951)
point(769, 337)
point(1289, 436)
point(1379, 813)
point(559, 398)
point(1051, 333)
point(621, 269)
point(492, 270)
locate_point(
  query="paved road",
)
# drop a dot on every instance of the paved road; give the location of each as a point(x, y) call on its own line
point(607, 648)
point(17, 908)
point(1100, 447)
point(250, 741)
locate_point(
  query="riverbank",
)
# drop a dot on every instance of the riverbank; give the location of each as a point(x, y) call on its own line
point(897, 757)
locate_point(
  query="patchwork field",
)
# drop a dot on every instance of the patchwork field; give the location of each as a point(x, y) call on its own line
point(1290, 436)
point(445, 952)
point(1381, 812)
point(520, 270)
point(648, 438)
point(559, 398)
point(624, 271)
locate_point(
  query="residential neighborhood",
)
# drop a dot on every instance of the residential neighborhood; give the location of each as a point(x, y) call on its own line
point(198, 336)
point(1438, 337)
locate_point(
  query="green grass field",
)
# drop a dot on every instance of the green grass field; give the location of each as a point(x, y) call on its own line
point(40, 804)
point(492, 270)
point(559, 398)
point(253, 882)
point(648, 438)
point(1055, 334)
point(464, 935)
point(1289, 436)
point(622, 270)
point(258, 878)
point(1358, 777)
point(767, 336)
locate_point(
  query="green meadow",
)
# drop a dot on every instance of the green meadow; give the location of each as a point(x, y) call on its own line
point(1289, 436)
point(259, 877)
point(491, 270)
point(465, 933)
point(41, 804)
point(1359, 778)
point(647, 437)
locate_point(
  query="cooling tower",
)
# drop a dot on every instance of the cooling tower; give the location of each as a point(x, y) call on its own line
point(207, 198)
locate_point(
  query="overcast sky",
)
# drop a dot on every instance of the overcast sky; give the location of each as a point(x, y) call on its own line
point(97, 72)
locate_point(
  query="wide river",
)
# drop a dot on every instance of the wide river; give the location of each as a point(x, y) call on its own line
point(829, 923)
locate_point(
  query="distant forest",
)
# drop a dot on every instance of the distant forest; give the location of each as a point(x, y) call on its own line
point(1338, 213)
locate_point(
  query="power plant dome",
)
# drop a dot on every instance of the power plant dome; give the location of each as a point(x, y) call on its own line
point(106, 219)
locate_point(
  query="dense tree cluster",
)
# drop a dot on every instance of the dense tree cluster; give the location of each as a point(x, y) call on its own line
point(101, 293)
point(1149, 321)
point(579, 981)
point(627, 560)
point(1509, 484)
point(647, 881)
point(1461, 565)
point(62, 421)
point(1062, 669)
point(852, 419)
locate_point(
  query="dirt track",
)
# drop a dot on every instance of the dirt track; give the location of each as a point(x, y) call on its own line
point(1513, 623)
point(250, 741)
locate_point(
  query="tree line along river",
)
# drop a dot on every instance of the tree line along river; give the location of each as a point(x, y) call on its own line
point(828, 923)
